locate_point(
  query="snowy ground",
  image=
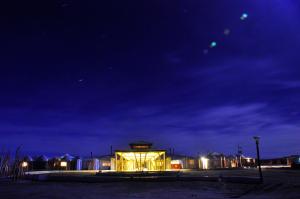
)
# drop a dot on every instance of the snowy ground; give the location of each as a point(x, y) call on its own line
point(279, 184)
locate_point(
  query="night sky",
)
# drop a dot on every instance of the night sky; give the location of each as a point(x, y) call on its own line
point(80, 75)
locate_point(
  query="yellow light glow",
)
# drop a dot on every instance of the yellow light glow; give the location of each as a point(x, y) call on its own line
point(140, 155)
point(106, 164)
point(24, 164)
point(204, 162)
point(191, 161)
point(140, 161)
point(63, 164)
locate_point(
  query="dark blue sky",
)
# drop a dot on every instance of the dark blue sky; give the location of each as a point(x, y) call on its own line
point(81, 75)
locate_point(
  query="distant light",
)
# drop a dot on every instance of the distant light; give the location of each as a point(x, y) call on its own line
point(205, 51)
point(244, 16)
point(24, 164)
point(63, 164)
point(80, 80)
point(227, 31)
point(176, 162)
point(213, 44)
point(204, 162)
point(106, 164)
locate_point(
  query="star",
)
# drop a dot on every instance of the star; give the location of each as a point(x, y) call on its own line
point(213, 44)
point(244, 16)
point(227, 31)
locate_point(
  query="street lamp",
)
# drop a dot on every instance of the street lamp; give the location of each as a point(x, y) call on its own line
point(256, 138)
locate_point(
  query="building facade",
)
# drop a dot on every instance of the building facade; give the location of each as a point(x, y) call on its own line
point(140, 157)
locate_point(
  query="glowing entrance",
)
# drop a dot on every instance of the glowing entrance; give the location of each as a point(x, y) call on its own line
point(141, 161)
point(140, 158)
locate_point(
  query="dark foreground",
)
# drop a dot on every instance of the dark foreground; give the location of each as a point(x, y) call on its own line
point(278, 184)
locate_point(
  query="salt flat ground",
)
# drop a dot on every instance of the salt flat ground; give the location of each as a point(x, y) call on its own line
point(278, 184)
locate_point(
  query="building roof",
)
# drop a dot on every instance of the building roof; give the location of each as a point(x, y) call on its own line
point(42, 158)
point(215, 154)
point(28, 158)
point(141, 142)
point(140, 145)
point(141, 150)
point(67, 157)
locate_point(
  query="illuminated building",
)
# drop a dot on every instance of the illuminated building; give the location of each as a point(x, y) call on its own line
point(203, 163)
point(26, 163)
point(91, 164)
point(140, 157)
point(106, 162)
point(65, 162)
point(217, 161)
point(182, 162)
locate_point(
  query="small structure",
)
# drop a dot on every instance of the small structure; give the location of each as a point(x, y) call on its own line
point(67, 162)
point(27, 163)
point(91, 164)
point(183, 162)
point(105, 162)
point(54, 163)
point(295, 161)
point(231, 161)
point(203, 162)
point(78, 163)
point(217, 160)
point(41, 163)
point(292, 161)
point(247, 162)
point(220, 161)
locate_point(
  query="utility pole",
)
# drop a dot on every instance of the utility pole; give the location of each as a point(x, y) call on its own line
point(240, 154)
point(256, 138)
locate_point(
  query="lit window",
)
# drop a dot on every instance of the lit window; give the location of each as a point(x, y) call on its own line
point(24, 164)
point(106, 164)
point(63, 164)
